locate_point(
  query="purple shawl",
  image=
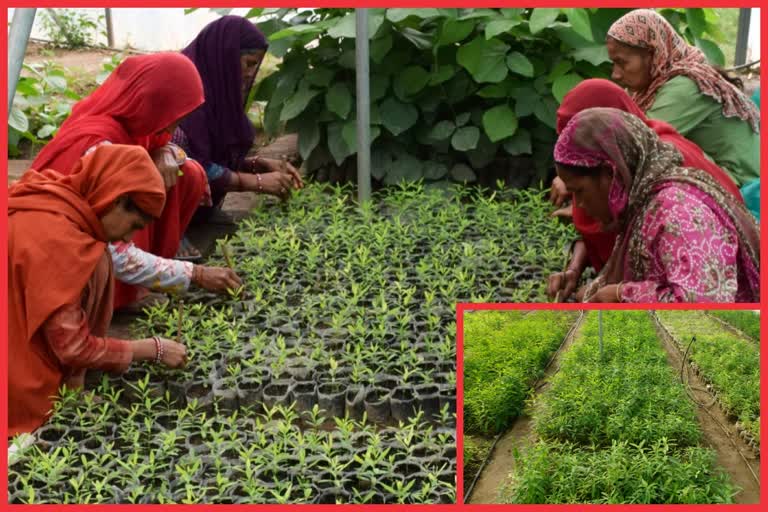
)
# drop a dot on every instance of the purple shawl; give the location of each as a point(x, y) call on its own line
point(220, 131)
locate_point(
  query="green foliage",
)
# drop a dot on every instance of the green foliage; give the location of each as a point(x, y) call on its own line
point(71, 28)
point(747, 322)
point(495, 75)
point(42, 102)
point(504, 353)
point(729, 362)
point(628, 395)
point(624, 473)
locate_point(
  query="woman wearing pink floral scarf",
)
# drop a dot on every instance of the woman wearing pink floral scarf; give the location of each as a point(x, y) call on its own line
point(682, 236)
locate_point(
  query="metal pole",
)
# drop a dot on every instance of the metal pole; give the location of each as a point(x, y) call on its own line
point(18, 37)
point(110, 30)
point(363, 106)
point(600, 330)
point(742, 37)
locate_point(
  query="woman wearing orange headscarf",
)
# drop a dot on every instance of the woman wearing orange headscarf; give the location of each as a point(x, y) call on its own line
point(59, 308)
point(141, 103)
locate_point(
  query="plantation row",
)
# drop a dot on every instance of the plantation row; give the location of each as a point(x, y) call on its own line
point(726, 361)
point(504, 353)
point(748, 322)
point(617, 428)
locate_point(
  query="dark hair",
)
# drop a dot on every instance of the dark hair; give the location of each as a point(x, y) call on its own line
point(581, 170)
point(130, 206)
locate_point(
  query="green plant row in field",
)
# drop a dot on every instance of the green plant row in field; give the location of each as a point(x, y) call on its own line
point(504, 354)
point(628, 395)
point(727, 361)
point(624, 473)
point(616, 429)
point(747, 322)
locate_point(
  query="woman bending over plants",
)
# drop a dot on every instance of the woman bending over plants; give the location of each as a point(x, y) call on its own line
point(595, 245)
point(682, 237)
point(141, 103)
point(227, 54)
point(60, 276)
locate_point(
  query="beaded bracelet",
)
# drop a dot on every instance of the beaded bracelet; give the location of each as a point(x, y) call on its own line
point(259, 188)
point(159, 349)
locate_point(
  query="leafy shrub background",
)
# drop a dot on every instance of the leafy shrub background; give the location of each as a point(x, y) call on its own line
point(455, 93)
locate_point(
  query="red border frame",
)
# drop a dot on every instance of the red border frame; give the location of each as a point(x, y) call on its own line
point(460, 307)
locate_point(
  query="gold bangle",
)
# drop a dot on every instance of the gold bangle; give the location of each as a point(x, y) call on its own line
point(618, 291)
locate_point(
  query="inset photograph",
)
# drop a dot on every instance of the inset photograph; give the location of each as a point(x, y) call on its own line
point(611, 407)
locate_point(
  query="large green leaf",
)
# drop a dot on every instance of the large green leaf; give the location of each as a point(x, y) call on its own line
point(595, 55)
point(696, 21)
point(443, 74)
point(338, 147)
point(465, 138)
point(519, 63)
point(579, 20)
point(379, 85)
point(542, 18)
point(338, 100)
point(349, 132)
point(309, 137)
point(484, 59)
point(46, 131)
point(411, 81)
point(18, 120)
point(499, 122)
point(320, 77)
point(398, 15)
point(546, 112)
point(712, 51)
point(496, 27)
point(563, 84)
point(442, 130)
point(483, 154)
point(559, 69)
point(405, 168)
point(397, 116)
point(519, 143)
point(380, 47)
point(463, 173)
point(452, 31)
point(298, 102)
point(434, 171)
point(295, 30)
point(253, 13)
point(419, 39)
point(345, 27)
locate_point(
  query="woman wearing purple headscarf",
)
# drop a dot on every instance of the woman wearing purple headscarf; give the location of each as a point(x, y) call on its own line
point(227, 54)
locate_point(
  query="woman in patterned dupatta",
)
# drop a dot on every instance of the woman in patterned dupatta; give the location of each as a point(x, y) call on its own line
point(682, 236)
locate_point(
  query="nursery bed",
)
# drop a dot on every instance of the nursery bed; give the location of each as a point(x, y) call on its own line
point(340, 349)
point(623, 411)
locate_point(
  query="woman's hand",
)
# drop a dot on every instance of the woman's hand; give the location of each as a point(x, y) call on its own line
point(277, 183)
point(216, 279)
point(558, 194)
point(284, 167)
point(606, 294)
point(174, 354)
point(165, 161)
point(563, 282)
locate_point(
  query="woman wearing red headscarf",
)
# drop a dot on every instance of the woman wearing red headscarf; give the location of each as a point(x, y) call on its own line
point(141, 103)
point(59, 308)
point(595, 246)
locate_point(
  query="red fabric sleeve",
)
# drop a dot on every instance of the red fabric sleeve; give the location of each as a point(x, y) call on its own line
point(69, 338)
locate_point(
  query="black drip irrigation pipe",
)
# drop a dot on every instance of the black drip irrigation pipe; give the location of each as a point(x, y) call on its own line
point(688, 389)
point(535, 386)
